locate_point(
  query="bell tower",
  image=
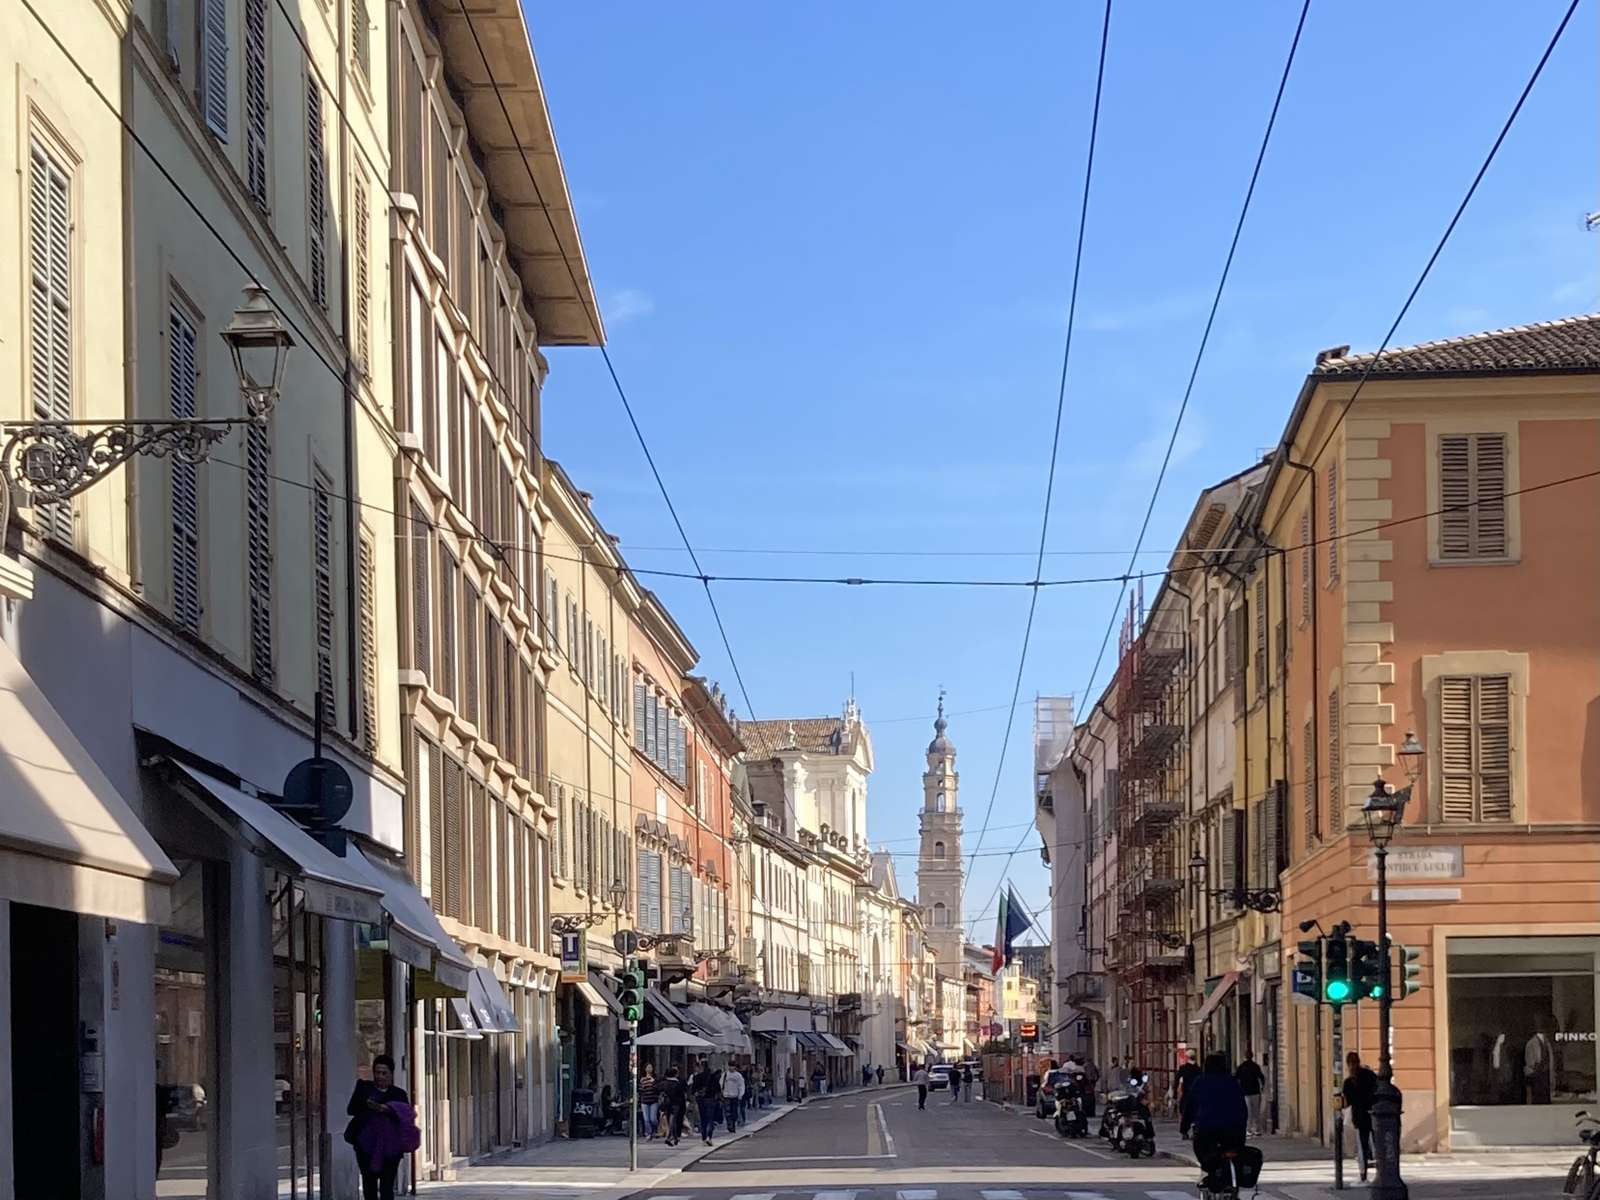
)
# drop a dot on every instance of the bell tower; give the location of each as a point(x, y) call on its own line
point(939, 860)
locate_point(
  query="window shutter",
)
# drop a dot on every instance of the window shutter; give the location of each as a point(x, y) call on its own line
point(1261, 637)
point(1335, 765)
point(1494, 747)
point(562, 830)
point(50, 308)
point(1333, 522)
point(1472, 484)
point(316, 193)
point(448, 570)
point(255, 100)
point(258, 547)
point(369, 644)
point(1228, 872)
point(482, 875)
point(454, 840)
point(471, 623)
point(436, 843)
point(674, 746)
point(214, 66)
point(361, 38)
point(421, 606)
point(322, 584)
point(638, 712)
point(1310, 787)
point(492, 699)
point(1308, 565)
point(1455, 748)
point(1277, 822)
point(361, 234)
point(552, 610)
point(1455, 496)
point(183, 385)
point(1489, 491)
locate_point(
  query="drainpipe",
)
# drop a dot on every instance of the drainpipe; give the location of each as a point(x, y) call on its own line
point(351, 535)
point(1315, 765)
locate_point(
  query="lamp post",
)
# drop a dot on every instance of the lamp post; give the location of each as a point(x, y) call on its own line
point(1383, 812)
point(1199, 871)
point(52, 461)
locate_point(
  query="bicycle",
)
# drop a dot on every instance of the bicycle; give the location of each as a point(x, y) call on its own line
point(1583, 1177)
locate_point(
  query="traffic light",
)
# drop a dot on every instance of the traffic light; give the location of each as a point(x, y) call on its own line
point(1367, 974)
point(1336, 986)
point(1410, 973)
point(632, 994)
point(1308, 970)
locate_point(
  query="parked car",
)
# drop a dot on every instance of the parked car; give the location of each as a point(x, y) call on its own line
point(939, 1076)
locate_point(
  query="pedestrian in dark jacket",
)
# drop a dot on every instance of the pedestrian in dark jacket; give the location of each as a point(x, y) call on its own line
point(1188, 1071)
point(674, 1102)
point(707, 1089)
point(369, 1102)
point(1251, 1082)
point(966, 1081)
point(1214, 1108)
point(1360, 1088)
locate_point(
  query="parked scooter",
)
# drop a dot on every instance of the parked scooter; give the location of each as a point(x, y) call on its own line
point(1072, 1117)
point(1127, 1124)
point(1229, 1169)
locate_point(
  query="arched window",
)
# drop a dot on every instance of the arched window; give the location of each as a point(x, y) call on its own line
point(940, 916)
point(938, 849)
point(938, 804)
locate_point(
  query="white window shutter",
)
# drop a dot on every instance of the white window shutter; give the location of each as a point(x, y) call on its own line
point(183, 386)
point(214, 66)
point(50, 308)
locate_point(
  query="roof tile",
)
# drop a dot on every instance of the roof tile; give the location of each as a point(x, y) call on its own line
point(1570, 344)
point(763, 739)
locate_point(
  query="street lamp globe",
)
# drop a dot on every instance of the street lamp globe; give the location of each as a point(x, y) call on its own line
point(1411, 756)
point(619, 894)
point(259, 345)
point(1382, 812)
point(1197, 865)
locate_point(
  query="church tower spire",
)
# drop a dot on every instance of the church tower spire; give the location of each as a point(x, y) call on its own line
point(939, 860)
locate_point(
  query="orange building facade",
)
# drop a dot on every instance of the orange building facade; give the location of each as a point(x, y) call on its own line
point(1441, 573)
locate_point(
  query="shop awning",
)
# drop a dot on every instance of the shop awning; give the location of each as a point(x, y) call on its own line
point(767, 1035)
point(835, 1047)
point(667, 1013)
point(592, 997)
point(490, 1004)
point(414, 933)
point(331, 885)
point(719, 1026)
point(463, 1023)
point(598, 982)
point(1224, 986)
point(68, 839)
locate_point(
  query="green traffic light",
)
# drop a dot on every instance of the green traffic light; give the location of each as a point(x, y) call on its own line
point(1337, 990)
point(1376, 991)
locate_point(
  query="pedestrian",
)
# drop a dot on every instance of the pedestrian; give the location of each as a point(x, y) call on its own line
point(966, 1081)
point(1538, 1060)
point(732, 1097)
point(920, 1078)
point(750, 1096)
point(819, 1081)
point(880, 1076)
point(955, 1085)
point(1360, 1088)
point(383, 1129)
point(1213, 1107)
point(675, 1100)
point(1091, 1081)
point(649, 1101)
point(1188, 1070)
point(866, 1075)
point(707, 1089)
point(1251, 1082)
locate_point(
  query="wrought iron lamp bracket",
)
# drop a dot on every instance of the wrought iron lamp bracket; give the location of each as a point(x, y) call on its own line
point(575, 922)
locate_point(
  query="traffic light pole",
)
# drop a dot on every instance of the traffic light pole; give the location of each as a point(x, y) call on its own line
point(1338, 1099)
point(633, 1085)
point(1387, 1103)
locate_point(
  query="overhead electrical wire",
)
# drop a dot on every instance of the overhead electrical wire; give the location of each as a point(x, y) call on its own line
point(1055, 438)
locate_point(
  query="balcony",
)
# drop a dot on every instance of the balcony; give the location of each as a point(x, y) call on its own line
point(1084, 987)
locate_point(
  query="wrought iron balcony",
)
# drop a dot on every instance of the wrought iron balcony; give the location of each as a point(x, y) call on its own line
point(1083, 987)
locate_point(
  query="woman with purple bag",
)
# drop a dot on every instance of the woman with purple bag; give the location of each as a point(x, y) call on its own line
point(383, 1129)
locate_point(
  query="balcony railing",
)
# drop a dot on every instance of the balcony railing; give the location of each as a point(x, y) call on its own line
point(1083, 987)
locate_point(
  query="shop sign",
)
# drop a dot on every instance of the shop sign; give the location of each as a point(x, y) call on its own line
point(1418, 862)
point(1575, 1035)
point(574, 957)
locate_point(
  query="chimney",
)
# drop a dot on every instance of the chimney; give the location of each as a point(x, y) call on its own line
point(1333, 352)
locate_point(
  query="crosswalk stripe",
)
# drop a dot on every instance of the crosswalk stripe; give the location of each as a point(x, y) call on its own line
point(848, 1195)
point(1170, 1195)
point(1000, 1194)
point(918, 1194)
point(1096, 1196)
point(755, 1196)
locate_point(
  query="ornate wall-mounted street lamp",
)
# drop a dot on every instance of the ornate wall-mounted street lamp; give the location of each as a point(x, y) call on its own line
point(1261, 900)
point(51, 461)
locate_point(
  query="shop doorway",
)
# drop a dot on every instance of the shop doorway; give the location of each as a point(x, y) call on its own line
point(44, 1058)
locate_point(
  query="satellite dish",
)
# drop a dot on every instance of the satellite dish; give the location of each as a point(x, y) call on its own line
point(320, 788)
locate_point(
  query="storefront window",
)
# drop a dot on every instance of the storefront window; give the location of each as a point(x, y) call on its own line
point(297, 1041)
point(1522, 1021)
point(185, 1045)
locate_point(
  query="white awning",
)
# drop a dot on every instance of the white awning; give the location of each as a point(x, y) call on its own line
point(719, 1026)
point(68, 839)
point(836, 1048)
point(466, 1025)
point(1218, 993)
point(332, 886)
point(415, 935)
point(592, 996)
point(489, 1003)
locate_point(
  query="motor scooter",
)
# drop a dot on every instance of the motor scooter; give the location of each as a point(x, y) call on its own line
point(1230, 1167)
point(1128, 1126)
point(1072, 1121)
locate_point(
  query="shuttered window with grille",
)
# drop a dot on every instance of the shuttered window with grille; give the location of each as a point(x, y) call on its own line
point(449, 582)
point(435, 817)
point(316, 194)
point(50, 348)
point(1335, 763)
point(212, 81)
point(1333, 523)
point(1475, 748)
point(322, 584)
point(1472, 486)
point(361, 234)
point(421, 548)
point(183, 383)
point(493, 701)
point(361, 39)
point(1227, 874)
point(258, 547)
point(471, 626)
point(649, 911)
point(1261, 638)
point(1308, 566)
point(1309, 786)
point(455, 839)
point(482, 877)
point(511, 726)
point(256, 109)
point(369, 643)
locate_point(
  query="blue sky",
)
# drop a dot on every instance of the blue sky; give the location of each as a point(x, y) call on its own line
point(833, 245)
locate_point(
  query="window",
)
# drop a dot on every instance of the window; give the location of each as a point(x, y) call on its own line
point(183, 382)
point(421, 607)
point(1228, 874)
point(435, 870)
point(361, 39)
point(1308, 566)
point(602, 671)
point(481, 878)
point(255, 101)
point(361, 234)
point(588, 652)
point(213, 77)
point(1333, 523)
point(258, 546)
point(1472, 487)
point(558, 835)
point(449, 571)
point(471, 624)
point(1261, 637)
point(572, 633)
point(368, 566)
point(1335, 763)
point(50, 307)
point(1475, 747)
point(455, 840)
point(650, 891)
point(322, 584)
point(552, 610)
point(938, 850)
point(316, 194)
point(1310, 786)
point(941, 916)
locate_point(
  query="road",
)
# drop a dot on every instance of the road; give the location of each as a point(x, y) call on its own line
point(876, 1145)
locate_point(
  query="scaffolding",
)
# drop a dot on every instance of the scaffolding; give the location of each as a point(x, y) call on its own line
point(1150, 950)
